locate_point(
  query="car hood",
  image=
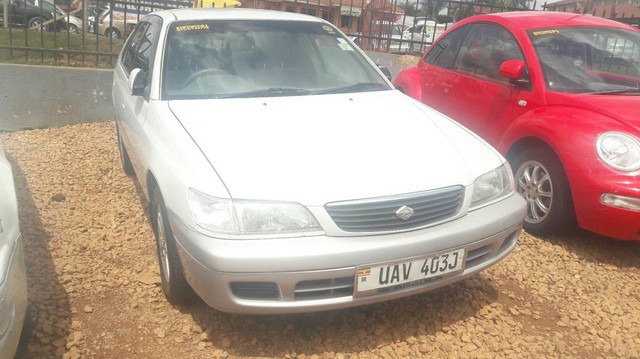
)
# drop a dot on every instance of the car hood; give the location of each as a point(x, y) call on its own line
point(319, 149)
point(623, 108)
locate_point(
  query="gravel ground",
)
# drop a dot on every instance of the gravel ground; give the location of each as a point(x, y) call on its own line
point(94, 285)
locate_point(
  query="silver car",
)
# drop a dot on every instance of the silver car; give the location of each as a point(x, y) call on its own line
point(285, 174)
point(13, 279)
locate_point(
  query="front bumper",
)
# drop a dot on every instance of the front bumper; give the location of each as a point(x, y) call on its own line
point(288, 275)
point(590, 180)
point(13, 298)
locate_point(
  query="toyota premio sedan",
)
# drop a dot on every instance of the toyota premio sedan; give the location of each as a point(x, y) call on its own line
point(13, 278)
point(559, 95)
point(285, 174)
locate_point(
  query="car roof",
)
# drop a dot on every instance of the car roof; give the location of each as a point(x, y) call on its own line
point(545, 19)
point(232, 14)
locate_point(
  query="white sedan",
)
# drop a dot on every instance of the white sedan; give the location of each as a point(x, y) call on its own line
point(285, 174)
point(13, 278)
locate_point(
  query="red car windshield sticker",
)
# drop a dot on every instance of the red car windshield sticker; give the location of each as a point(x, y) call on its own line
point(546, 32)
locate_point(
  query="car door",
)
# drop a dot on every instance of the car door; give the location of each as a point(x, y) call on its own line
point(437, 65)
point(18, 12)
point(472, 92)
point(131, 111)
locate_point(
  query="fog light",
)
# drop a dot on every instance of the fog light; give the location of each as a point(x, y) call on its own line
point(615, 200)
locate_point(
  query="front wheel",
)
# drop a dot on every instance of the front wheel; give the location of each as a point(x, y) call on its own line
point(541, 180)
point(127, 166)
point(36, 23)
point(173, 282)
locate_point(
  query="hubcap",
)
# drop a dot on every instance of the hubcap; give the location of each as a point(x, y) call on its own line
point(38, 25)
point(535, 185)
point(162, 247)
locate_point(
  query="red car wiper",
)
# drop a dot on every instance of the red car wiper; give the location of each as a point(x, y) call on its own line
point(627, 91)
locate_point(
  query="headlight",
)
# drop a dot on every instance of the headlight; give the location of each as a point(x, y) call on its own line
point(619, 150)
point(249, 217)
point(492, 185)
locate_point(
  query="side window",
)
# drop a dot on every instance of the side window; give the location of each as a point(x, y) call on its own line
point(146, 46)
point(133, 47)
point(486, 47)
point(443, 52)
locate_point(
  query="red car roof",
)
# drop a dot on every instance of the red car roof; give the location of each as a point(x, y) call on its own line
point(546, 19)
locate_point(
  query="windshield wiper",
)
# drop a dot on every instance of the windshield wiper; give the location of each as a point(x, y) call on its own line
point(359, 87)
point(269, 92)
point(631, 90)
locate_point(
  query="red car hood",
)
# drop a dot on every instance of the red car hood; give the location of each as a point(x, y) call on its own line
point(623, 108)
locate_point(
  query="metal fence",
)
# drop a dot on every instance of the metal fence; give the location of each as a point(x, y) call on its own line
point(91, 32)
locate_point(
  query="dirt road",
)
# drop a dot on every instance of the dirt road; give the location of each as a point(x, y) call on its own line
point(94, 285)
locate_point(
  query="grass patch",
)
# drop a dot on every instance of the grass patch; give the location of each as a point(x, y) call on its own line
point(21, 46)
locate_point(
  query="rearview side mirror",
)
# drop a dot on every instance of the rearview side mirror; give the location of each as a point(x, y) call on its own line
point(514, 71)
point(137, 81)
point(385, 71)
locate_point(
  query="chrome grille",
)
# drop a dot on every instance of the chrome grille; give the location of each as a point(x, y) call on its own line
point(379, 214)
point(324, 288)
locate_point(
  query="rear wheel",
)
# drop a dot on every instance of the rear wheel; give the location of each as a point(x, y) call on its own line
point(113, 33)
point(73, 29)
point(173, 282)
point(541, 180)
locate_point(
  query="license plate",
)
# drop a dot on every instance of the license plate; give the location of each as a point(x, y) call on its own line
point(408, 273)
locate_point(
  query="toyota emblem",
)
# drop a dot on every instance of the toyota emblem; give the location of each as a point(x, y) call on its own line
point(404, 212)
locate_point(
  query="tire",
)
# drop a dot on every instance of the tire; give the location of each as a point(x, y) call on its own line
point(173, 282)
point(25, 335)
point(542, 181)
point(73, 29)
point(113, 33)
point(127, 166)
point(36, 22)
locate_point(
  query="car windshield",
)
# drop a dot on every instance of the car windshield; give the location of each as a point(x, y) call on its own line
point(249, 58)
point(593, 60)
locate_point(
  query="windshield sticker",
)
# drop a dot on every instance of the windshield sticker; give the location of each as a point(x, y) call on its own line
point(328, 29)
point(546, 32)
point(344, 46)
point(192, 27)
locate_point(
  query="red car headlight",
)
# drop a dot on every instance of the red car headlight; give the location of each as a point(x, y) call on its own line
point(619, 150)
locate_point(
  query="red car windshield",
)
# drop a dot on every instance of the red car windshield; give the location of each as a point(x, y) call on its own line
point(589, 59)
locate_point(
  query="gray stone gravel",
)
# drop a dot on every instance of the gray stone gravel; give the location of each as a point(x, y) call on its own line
point(94, 286)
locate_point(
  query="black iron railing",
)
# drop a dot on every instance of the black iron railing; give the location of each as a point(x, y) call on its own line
point(91, 33)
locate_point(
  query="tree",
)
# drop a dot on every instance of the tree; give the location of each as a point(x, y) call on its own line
point(432, 7)
point(410, 9)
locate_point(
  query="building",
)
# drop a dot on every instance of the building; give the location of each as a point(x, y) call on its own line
point(627, 11)
point(371, 18)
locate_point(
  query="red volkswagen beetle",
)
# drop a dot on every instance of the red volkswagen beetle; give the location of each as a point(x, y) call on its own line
point(559, 95)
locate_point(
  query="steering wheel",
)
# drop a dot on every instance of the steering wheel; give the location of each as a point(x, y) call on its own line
point(201, 73)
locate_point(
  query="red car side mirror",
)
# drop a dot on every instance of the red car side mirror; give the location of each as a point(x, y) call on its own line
point(512, 69)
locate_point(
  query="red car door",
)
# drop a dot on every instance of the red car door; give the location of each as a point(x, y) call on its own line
point(472, 91)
